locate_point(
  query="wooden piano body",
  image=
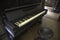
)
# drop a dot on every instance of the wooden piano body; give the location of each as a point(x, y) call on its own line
point(20, 17)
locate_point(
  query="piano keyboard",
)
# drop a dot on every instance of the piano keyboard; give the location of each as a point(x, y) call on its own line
point(28, 19)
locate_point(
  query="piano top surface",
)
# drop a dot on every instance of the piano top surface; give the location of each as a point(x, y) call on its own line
point(22, 12)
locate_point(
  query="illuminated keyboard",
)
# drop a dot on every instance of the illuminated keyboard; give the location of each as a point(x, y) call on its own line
point(26, 20)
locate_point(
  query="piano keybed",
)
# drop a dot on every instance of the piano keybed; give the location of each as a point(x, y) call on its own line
point(28, 19)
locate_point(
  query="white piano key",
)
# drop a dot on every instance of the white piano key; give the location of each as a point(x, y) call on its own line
point(20, 21)
point(17, 23)
point(24, 19)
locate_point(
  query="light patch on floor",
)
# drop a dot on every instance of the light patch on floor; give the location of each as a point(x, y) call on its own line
point(52, 15)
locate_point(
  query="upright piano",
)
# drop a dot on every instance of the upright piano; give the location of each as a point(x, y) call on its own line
point(19, 15)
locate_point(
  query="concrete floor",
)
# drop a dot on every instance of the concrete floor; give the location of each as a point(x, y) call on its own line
point(50, 21)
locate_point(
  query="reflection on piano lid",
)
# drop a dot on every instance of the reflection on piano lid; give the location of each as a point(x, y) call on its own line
point(26, 20)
